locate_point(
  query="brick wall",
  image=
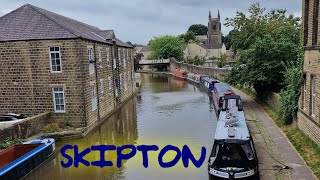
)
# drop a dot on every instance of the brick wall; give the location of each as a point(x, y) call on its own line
point(220, 74)
point(26, 128)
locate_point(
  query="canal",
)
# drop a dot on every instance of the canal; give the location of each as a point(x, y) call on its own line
point(166, 111)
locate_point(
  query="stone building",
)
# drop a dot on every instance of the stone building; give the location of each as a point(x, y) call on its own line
point(214, 30)
point(51, 63)
point(309, 103)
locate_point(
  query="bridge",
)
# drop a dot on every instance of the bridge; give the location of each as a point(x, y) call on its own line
point(156, 61)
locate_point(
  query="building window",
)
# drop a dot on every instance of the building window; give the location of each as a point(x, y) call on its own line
point(100, 57)
point(101, 88)
point(124, 58)
point(108, 57)
point(120, 79)
point(93, 97)
point(125, 81)
point(110, 84)
point(128, 57)
point(58, 99)
point(313, 95)
point(315, 22)
point(129, 78)
point(55, 59)
point(90, 61)
point(119, 56)
point(306, 21)
point(304, 95)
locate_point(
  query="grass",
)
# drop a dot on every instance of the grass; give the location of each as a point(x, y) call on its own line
point(306, 147)
point(8, 142)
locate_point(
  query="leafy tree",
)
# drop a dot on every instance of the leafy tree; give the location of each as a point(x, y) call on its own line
point(266, 42)
point(231, 36)
point(188, 37)
point(166, 46)
point(222, 61)
point(137, 57)
point(198, 29)
point(197, 61)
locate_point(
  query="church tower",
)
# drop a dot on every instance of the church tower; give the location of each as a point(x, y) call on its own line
point(214, 34)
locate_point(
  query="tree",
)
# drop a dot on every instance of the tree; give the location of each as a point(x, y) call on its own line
point(231, 36)
point(222, 61)
point(197, 61)
point(166, 46)
point(198, 29)
point(137, 57)
point(266, 43)
point(188, 37)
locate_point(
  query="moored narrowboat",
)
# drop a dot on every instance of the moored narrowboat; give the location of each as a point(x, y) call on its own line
point(19, 160)
point(208, 83)
point(194, 78)
point(233, 154)
point(180, 74)
point(220, 91)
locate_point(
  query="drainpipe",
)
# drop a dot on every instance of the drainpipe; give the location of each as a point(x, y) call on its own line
point(82, 56)
point(97, 80)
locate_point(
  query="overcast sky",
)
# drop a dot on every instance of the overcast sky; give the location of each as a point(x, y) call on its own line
point(140, 20)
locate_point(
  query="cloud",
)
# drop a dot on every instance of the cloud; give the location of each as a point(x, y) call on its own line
point(140, 20)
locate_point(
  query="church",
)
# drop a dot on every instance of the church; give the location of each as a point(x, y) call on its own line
point(210, 47)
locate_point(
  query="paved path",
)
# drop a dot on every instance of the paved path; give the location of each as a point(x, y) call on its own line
point(298, 169)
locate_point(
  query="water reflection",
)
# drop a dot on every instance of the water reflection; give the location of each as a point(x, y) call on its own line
point(166, 111)
point(119, 129)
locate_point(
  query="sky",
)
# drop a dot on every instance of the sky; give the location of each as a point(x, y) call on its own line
point(138, 21)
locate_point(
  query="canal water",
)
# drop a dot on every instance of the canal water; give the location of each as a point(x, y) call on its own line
point(166, 111)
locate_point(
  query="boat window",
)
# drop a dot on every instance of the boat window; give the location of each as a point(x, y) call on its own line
point(248, 150)
point(233, 155)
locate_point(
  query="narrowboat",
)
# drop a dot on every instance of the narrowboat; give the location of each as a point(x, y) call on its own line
point(208, 83)
point(180, 74)
point(194, 78)
point(233, 154)
point(19, 160)
point(219, 92)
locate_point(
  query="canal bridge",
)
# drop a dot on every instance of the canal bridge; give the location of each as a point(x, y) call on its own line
point(164, 64)
point(154, 62)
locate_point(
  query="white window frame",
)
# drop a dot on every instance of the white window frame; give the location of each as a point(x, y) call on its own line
point(90, 58)
point(93, 96)
point(100, 56)
point(101, 87)
point(54, 100)
point(120, 80)
point(129, 78)
point(124, 58)
point(108, 56)
point(313, 95)
point(54, 51)
point(110, 84)
point(304, 95)
point(119, 56)
point(125, 81)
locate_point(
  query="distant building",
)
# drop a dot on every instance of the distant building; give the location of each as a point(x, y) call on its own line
point(309, 102)
point(51, 63)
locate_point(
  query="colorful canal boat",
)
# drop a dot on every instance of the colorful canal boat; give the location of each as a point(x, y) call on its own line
point(208, 83)
point(19, 160)
point(180, 74)
point(220, 91)
point(194, 78)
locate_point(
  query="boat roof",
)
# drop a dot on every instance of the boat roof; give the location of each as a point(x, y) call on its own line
point(209, 79)
point(221, 88)
point(232, 126)
point(232, 96)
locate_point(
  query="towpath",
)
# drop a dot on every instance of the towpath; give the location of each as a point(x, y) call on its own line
point(273, 148)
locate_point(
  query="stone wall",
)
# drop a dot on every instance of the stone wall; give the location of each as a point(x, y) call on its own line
point(220, 74)
point(273, 99)
point(25, 128)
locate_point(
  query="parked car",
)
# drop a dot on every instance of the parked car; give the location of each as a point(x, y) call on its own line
point(7, 118)
point(18, 116)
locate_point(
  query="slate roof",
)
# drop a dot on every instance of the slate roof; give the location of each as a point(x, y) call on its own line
point(33, 23)
point(212, 45)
